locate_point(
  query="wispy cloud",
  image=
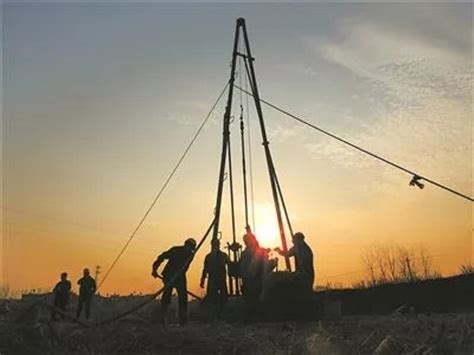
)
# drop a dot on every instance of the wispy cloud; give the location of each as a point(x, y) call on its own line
point(297, 68)
point(419, 97)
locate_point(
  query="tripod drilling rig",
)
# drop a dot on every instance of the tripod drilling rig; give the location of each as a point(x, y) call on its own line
point(243, 54)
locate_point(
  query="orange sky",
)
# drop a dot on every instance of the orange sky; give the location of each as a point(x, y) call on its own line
point(99, 103)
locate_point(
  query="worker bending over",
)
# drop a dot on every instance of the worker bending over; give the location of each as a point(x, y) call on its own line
point(174, 276)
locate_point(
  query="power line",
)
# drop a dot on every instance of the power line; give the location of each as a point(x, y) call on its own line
point(416, 177)
point(163, 187)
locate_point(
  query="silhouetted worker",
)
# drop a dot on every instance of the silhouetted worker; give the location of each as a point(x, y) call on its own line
point(215, 271)
point(303, 260)
point(251, 270)
point(174, 276)
point(61, 293)
point(87, 288)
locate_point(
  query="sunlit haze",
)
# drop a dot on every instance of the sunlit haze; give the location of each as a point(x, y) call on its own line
point(100, 101)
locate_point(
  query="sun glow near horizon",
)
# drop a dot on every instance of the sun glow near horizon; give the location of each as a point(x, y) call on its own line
point(99, 101)
point(266, 226)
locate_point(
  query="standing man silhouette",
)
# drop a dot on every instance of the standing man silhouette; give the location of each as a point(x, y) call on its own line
point(251, 268)
point(87, 288)
point(61, 293)
point(303, 255)
point(215, 271)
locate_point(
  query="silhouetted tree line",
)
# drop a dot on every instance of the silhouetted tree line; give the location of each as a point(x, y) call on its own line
point(396, 264)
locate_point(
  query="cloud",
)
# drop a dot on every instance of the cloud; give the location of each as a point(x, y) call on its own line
point(285, 132)
point(192, 112)
point(419, 98)
point(297, 68)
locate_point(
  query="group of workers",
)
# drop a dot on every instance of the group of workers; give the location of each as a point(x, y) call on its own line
point(252, 268)
point(62, 293)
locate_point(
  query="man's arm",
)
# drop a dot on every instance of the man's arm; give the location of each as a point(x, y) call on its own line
point(56, 288)
point(288, 253)
point(226, 258)
point(162, 257)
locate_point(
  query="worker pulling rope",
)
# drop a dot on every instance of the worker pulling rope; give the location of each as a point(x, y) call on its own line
point(163, 187)
point(416, 178)
point(167, 285)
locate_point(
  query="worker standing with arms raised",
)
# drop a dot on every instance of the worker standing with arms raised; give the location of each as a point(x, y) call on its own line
point(303, 261)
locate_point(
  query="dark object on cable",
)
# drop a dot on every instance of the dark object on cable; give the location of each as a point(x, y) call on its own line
point(415, 181)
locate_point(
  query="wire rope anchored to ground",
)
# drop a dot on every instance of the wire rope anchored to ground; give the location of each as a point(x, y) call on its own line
point(135, 308)
point(163, 187)
point(161, 290)
point(416, 178)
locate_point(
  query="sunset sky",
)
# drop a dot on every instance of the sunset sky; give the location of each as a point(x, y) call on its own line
point(99, 102)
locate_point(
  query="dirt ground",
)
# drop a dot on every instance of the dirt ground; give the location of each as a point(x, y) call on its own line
point(28, 329)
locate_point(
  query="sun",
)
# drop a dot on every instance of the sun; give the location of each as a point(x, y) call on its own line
point(266, 226)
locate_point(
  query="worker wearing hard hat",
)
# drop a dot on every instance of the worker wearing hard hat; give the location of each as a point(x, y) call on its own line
point(303, 260)
point(174, 276)
point(215, 264)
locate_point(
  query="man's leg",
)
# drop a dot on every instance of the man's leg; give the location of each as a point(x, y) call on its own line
point(247, 295)
point(182, 301)
point(53, 312)
point(79, 307)
point(254, 289)
point(62, 306)
point(306, 283)
point(165, 301)
point(223, 292)
point(87, 302)
point(211, 290)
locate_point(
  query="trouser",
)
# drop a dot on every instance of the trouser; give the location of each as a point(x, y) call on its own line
point(84, 302)
point(61, 303)
point(180, 286)
point(251, 289)
point(217, 290)
point(306, 281)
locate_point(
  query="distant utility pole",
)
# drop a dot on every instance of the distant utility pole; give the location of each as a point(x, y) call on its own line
point(97, 273)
